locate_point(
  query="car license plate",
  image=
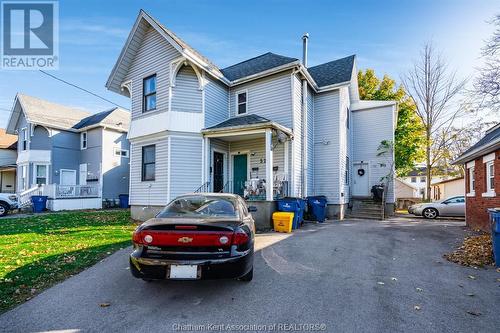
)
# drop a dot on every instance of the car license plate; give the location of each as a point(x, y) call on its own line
point(183, 272)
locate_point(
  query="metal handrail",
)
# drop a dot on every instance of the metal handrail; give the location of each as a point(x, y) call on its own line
point(227, 187)
point(203, 188)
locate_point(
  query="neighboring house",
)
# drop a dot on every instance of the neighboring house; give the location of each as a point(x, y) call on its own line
point(482, 178)
point(70, 153)
point(448, 188)
point(405, 190)
point(266, 127)
point(8, 156)
point(418, 179)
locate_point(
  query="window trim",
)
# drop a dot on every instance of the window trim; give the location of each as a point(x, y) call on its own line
point(23, 177)
point(472, 181)
point(144, 164)
point(24, 141)
point(116, 149)
point(35, 176)
point(237, 104)
point(490, 191)
point(144, 96)
point(411, 179)
point(82, 140)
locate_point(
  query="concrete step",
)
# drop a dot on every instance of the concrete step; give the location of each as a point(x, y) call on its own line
point(364, 216)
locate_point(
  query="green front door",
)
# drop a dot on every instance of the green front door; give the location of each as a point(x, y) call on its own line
point(239, 173)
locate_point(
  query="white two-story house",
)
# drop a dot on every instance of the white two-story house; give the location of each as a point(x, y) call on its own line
point(267, 127)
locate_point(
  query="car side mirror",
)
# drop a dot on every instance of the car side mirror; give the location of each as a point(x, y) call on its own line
point(252, 209)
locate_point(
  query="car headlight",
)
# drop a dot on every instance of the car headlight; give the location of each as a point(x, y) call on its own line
point(13, 197)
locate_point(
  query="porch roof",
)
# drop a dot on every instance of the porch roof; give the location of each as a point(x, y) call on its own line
point(250, 122)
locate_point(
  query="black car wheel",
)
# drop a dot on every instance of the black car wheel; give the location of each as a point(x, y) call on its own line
point(248, 276)
point(430, 213)
point(4, 209)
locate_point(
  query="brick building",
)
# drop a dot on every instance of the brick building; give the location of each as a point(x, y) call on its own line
point(482, 178)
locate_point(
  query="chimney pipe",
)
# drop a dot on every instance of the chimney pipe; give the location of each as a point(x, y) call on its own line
point(305, 39)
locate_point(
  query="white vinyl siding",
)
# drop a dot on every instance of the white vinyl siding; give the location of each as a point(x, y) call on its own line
point(344, 137)
point(296, 161)
point(370, 127)
point(153, 56)
point(268, 97)
point(216, 102)
point(186, 95)
point(185, 167)
point(310, 142)
point(149, 192)
point(326, 146)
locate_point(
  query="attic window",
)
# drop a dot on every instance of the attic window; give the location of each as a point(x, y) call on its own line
point(242, 102)
point(83, 140)
point(149, 93)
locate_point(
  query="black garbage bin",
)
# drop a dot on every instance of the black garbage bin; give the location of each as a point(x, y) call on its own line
point(378, 192)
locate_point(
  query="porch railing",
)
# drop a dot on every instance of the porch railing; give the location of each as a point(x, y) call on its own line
point(24, 198)
point(57, 191)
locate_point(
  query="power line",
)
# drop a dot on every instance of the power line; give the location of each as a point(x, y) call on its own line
point(83, 89)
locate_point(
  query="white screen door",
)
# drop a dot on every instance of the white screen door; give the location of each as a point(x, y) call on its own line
point(68, 177)
point(83, 174)
point(361, 180)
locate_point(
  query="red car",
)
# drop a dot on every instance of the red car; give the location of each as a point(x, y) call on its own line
point(196, 236)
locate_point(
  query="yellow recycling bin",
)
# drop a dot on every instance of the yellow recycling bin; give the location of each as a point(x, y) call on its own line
point(283, 221)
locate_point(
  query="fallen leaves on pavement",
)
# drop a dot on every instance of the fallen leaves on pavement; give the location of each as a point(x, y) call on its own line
point(474, 313)
point(476, 251)
point(104, 305)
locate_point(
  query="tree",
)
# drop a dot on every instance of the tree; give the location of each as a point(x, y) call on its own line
point(409, 134)
point(487, 85)
point(433, 88)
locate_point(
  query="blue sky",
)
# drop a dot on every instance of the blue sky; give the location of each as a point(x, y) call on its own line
point(386, 36)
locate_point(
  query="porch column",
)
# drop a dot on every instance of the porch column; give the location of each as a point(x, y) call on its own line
point(269, 165)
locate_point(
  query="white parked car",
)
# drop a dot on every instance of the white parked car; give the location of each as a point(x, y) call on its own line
point(8, 201)
point(451, 207)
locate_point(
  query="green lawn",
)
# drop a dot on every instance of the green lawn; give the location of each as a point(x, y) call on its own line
point(38, 251)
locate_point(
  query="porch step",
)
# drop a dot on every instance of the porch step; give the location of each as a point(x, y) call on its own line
point(364, 216)
point(365, 209)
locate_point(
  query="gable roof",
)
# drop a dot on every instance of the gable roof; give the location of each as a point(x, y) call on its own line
point(7, 141)
point(116, 118)
point(488, 143)
point(42, 112)
point(256, 65)
point(333, 72)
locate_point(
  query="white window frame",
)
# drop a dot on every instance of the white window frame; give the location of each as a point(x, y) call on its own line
point(237, 104)
point(411, 179)
point(23, 177)
point(35, 176)
point(472, 181)
point(82, 140)
point(116, 150)
point(490, 175)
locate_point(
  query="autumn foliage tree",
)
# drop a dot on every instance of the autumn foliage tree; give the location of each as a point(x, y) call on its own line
point(409, 135)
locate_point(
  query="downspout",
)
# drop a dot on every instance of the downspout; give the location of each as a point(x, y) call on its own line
point(304, 134)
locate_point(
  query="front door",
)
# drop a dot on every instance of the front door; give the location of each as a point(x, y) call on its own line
point(68, 177)
point(218, 171)
point(361, 181)
point(239, 173)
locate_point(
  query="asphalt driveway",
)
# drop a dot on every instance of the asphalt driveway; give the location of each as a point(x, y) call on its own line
point(363, 276)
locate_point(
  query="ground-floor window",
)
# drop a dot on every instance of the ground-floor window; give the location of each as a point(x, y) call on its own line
point(41, 174)
point(23, 177)
point(490, 177)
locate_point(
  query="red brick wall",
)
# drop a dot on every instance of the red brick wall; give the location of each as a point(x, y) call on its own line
point(476, 213)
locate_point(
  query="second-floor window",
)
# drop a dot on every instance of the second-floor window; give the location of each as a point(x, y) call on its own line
point(121, 152)
point(490, 177)
point(148, 162)
point(241, 99)
point(83, 140)
point(24, 138)
point(422, 179)
point(413, 179)
point(149, 93)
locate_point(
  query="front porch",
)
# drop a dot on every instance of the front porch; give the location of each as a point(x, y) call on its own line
point(248, 156)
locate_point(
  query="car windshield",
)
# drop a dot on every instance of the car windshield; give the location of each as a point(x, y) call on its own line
point(200, 207)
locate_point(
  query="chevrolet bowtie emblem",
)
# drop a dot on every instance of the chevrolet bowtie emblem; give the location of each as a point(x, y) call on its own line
point(185, 240)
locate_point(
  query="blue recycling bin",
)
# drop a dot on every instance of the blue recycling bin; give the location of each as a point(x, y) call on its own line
point(316, 206)
point(295, 205)
point(495, 233)
point(39, 203)
point(123, 200)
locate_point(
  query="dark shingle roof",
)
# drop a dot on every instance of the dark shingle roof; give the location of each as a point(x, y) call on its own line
point(492, 134)
point(250, 119)
point(256, 65)
point(333, 72)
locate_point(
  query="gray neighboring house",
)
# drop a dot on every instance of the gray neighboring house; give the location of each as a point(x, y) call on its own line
point(267, 127)
point(76, 158)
